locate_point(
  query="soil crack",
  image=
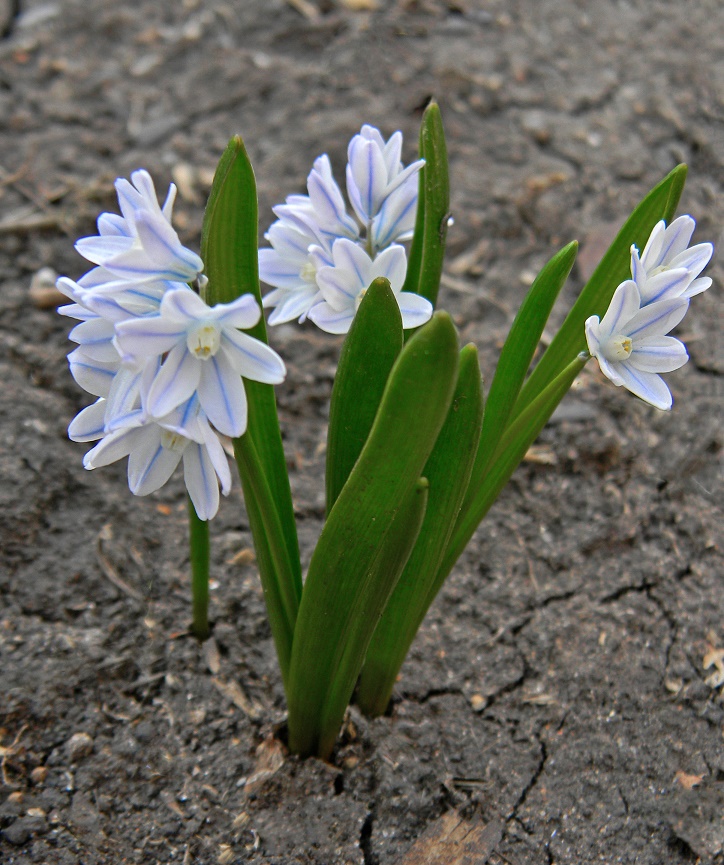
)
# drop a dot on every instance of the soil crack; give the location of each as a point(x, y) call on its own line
point(365, 839)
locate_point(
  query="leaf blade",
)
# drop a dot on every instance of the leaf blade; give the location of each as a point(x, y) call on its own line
point(425, 261)
point(368, 353)
point(448, 472)
point(346, 579)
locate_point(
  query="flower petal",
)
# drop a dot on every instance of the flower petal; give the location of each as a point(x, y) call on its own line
point(610, 369)
point(593, 336)
point(392, 264)
point(667, 284)
point(222, 396)
point(174, 383)
point(89, 424)
point(252, 358)
point(294, 304)
point(111, 448)
point(624, 305)
point(184, 306)
point(218, 457)
point(278, 271)
point(697, 286)
point(415, 309)
point(328, 319)
point(658, 354)
point(647, 385)
point(656, 319)
point(150, 336)
point(396, 217)
point(244, 312)
point(366, 177)
point(93, 376)
point(200, 480)
point(99, 250)
point(150, 464)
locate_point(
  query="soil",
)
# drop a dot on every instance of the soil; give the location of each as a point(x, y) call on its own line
point(557, 693)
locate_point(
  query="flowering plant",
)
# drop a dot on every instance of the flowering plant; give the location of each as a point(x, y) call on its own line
point(174, 347)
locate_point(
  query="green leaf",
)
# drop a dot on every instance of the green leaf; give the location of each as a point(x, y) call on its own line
point(513, 446)
point(447, 471)
point(517, 353)
point(368, 353)
point(613, 269)
point(424, 266)
point(354, 568)
point(229, 250)
point(388, 561)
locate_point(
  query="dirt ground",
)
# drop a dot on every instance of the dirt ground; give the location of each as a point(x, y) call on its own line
point(557, 694)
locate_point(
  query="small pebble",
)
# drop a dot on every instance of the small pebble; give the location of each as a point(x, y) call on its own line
point(43, 293)
point(478, 702)
point(17, 833)
point(39, 775)
point(79, 746)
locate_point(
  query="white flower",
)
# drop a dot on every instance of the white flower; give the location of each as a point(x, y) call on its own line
point(344, 283)
point(668, 267)
point(631, 346)
point(383, 194)
point(155, 448)
point(141, 244)
point(288, 265)
point(381, 190)
point(330, 210)
point(206, 355)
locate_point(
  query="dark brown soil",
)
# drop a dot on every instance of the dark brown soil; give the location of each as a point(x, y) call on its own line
point(557, 688)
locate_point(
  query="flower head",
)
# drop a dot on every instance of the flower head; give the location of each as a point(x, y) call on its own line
point(382, 191)
point(631, 345)
point(668, 266)
point(164, 366)
point(383, 195)
point(141, 244)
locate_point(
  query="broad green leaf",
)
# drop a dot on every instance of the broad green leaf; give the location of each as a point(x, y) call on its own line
point(425, 261)
point(513, 446)
point(229, 249)
point(367, 356)
point(517, 353)
point(388, 561)
point(349, 579)
point(447, 471)
point(614, 267)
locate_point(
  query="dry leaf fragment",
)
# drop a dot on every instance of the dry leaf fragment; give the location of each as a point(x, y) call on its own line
point(212, 657)
point(184, 176)
point(712, 657)
point(360, 5)
point(688, 781)
point(234, 692)
point(541, 455)
point(451, 840)
point(269, 759)
point(244, 557)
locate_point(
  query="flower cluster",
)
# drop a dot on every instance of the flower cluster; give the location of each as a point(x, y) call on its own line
point(322, 258)
point(166, 368)
point(631, 342)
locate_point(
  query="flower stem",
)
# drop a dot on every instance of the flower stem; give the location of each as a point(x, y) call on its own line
point(199, 554)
